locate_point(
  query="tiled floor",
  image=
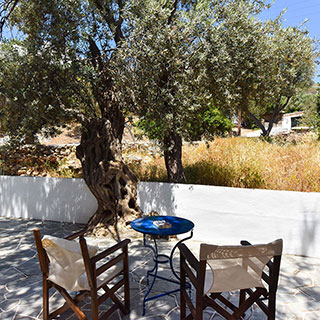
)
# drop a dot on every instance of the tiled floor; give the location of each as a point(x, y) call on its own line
point(20, 278)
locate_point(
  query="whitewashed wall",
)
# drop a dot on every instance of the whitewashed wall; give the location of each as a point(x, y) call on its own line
point(227, 215)
point(67, 200)
point(221, 215)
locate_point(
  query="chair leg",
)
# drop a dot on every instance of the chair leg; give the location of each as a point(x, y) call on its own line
point(182, 307)
point(45, 290)
point(94, 305)
point(126, 281)
point(127, 297)
point(242, 297)
point(182, 298)
point(182, 290)
point(199, 306)
point(272, 306)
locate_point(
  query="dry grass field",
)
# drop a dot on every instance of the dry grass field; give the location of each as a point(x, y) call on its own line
point(284, 164)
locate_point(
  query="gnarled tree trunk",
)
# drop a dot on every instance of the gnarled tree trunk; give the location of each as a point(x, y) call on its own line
point(172, 157)
point(108, 178)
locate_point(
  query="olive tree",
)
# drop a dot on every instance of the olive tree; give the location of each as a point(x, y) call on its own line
point(264, 64)
point(163, 76)
point(63, 72)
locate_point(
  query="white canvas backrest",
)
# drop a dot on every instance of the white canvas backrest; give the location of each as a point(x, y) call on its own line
point(66, 263)
point(237, 267)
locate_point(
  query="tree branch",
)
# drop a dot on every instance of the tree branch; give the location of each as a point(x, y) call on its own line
point(173, 11)
point(285, 105)
point(119, 35)
point(6, 9)
point(256, 121)
point(108, 16)
point(276, 112)
point(95, 54)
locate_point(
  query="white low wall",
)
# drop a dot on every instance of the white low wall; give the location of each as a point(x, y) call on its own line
point(221, 215)
point(227, 215)
point(67, 200)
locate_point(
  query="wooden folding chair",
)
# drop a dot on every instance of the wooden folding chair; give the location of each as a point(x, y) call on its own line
point(251, 269)
point(89, 283)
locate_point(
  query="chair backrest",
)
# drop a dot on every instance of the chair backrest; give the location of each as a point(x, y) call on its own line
point(66, 267)
point(238, 267)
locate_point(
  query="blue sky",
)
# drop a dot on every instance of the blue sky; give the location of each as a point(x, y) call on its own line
point(297, 12)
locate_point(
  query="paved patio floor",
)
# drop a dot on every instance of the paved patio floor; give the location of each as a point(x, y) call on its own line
point(20, 278)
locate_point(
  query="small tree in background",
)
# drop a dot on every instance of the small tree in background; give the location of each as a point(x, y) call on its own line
point(302, 101)
point(264, 64)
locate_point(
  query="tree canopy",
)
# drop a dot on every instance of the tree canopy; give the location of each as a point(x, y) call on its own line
point(258, 66)
point(63, 72)
point(163, 73)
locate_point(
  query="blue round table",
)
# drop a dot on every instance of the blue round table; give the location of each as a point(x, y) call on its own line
point(156, 226)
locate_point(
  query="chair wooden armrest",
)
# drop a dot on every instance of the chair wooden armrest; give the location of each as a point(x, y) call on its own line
point(93, 272)
point(189, 256)
point(245, 243)
point(91, 263)
point(194, 269)
point(121, 245)
point(76, 234)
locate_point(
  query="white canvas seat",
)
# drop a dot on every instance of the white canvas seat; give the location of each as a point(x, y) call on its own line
point(66, 263)
point(229, 268)
point(69, 266)
point(237, 267)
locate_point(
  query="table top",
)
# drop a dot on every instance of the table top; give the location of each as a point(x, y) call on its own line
point(148, 225)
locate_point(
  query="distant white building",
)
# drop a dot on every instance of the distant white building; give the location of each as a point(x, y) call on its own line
point(287, 122)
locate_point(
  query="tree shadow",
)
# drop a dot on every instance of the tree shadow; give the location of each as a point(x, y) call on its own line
point(21, 290)
point(52, 199)
point(310, 232)
point(155, 196)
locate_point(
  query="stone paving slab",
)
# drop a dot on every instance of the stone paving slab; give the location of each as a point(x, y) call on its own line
point(21, 291)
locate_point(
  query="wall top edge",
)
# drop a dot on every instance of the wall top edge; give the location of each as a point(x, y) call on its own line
point(176, 185)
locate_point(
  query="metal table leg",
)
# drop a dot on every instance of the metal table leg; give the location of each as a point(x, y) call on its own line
point(160, 258)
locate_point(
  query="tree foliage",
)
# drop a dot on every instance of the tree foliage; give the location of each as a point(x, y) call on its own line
point(311, 110)
point(63, 72)
point(40, 93)
point(72, 43)
point(204, 123)
point(302, 101)
point(257, 66)
point(163, 73)
point(168, 62)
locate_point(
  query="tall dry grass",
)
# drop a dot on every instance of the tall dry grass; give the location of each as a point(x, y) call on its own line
point(246, 162)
